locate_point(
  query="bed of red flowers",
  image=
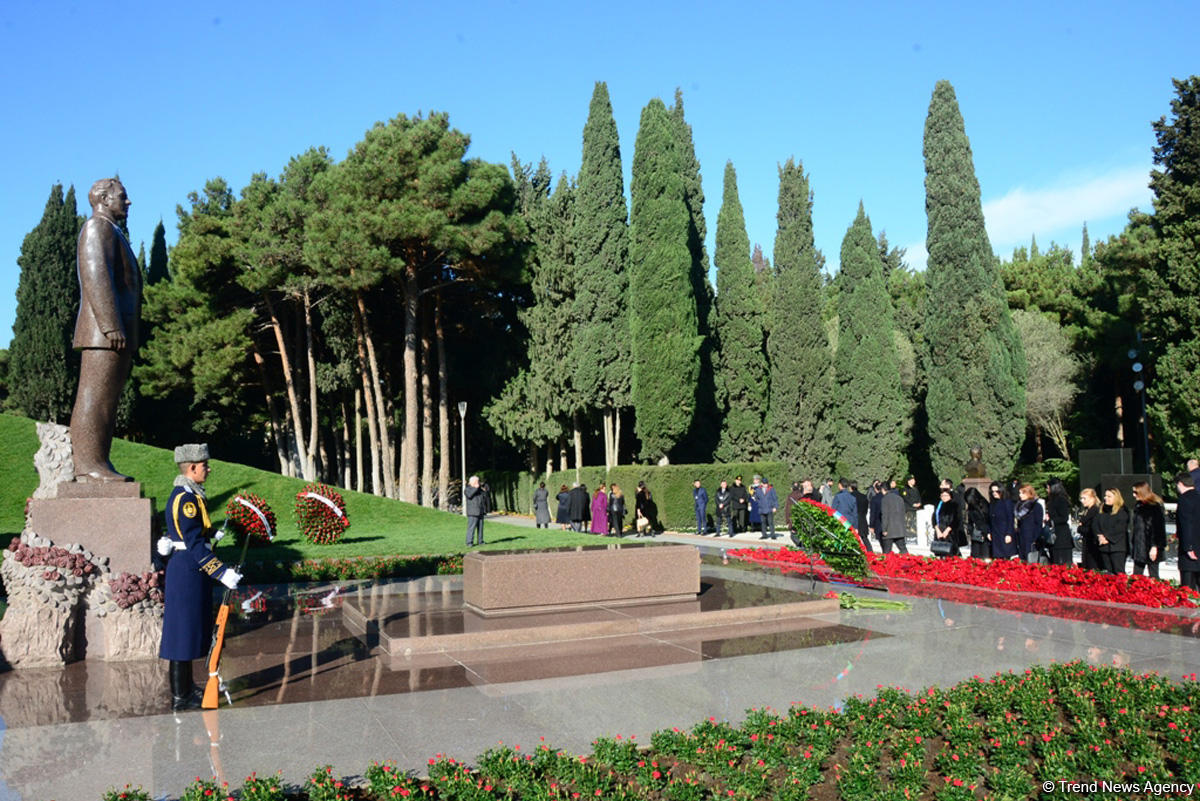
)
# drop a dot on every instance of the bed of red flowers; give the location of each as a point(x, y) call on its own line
point(1063, 591)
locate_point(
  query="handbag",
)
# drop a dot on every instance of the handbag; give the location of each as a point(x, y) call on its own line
point(941, 547)
point(1047, 537)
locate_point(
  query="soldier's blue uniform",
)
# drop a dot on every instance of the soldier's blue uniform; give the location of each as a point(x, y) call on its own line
point(191, 569)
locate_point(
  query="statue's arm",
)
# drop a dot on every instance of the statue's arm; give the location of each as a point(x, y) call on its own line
point(97, 251)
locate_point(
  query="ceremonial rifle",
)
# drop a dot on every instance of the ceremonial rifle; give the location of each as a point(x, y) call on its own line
point(214, 686)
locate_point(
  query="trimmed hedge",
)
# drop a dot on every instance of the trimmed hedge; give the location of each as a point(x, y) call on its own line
point(670, 486)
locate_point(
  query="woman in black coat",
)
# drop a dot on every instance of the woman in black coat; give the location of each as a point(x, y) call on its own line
point(979, 524)
point(1029, 522)
point(1001, 517)
point(563, 515)
point(947, 522)
point(1087, 529)
point(1112, 532)
point(616, 511)
point(1149, 530)
point(1058, 512)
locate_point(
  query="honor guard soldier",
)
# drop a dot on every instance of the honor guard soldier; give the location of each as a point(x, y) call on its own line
point(191, 566)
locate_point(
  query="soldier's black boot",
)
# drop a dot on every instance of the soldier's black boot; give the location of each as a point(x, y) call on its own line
point(184, 695)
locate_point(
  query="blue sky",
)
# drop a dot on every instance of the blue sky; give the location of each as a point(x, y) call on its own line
point(1057, 97)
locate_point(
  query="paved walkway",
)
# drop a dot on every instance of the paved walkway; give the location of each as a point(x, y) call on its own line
point(937, 642)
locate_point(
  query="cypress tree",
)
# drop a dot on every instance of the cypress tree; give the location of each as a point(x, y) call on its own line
point(797, 347)
point(868, 418)
point(158, 256)
point(1085, 248)
point(663, 327)
point(43, 370)
point(600, 356)
point(742, 360)
point(976, 366)
point(701, 439)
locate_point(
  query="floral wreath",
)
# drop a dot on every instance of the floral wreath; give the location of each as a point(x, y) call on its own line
point(321, 514)
point(248, 514)
point(827, 532)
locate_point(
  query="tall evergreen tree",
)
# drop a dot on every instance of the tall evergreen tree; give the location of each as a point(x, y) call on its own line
point(797, 347)
point(742, 360)
point(157, 270)
point(43, 369)
point(663, 326)
point(1172, 287)
point(701, 439)
point(869, 410)
point(976, 367)
point(600, 357)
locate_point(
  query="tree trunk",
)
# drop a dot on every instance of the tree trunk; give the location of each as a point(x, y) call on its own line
point(372, 421)
point(616, 413)
point(312, 381)
point(276, 430)
point(1037, 437)
point(562, 453)
point(439, 334)
point(578, 444)
point(358, 444)
point(549, 460)
point(606, 426)
point(426, 412)
point(289, 382)
point(408, 438)
point(387, 463)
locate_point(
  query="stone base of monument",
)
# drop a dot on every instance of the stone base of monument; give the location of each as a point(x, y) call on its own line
point(80, 580)
point(630, 596)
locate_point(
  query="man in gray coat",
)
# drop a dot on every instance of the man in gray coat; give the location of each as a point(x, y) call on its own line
point(892, 523)
point(476, 500)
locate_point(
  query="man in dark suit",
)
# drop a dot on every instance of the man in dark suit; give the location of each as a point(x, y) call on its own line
point(1187, 528)
point(106, 330)
point(476, 500)
point(768, 505)
point(700, 502)
point(740, 499)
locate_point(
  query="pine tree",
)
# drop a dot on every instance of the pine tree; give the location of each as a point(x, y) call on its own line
point(44, 367)
point(976, 367)
point(701, 439)
point(797, 347)
point(1171, 295)
point(869, 410)
point(1085, 248)
point(663, 326)
point(600, 357)
point(742, 360)
point(157, 270)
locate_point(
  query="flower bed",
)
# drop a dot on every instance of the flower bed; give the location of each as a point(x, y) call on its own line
point(1011, 736)
point(1008, 575)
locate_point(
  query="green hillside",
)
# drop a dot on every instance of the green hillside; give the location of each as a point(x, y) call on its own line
point(378, 526)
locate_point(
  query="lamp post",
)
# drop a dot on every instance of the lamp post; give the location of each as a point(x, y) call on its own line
point(462, 415)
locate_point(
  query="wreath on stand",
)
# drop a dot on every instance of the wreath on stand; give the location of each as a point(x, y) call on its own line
point(828, 534)
point(248, 515)
point(321, 514)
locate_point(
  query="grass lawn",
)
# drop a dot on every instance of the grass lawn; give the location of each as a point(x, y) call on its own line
point(378, 526)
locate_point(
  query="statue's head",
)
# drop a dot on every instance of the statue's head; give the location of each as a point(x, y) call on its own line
point(108, 195)
point(977, 453)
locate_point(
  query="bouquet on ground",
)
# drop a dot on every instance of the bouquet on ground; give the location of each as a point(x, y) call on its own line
point(321, 514)
point(247, 514)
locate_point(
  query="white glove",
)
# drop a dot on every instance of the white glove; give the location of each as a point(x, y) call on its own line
point(230, 578)
point(217, 537)
point(164, 546)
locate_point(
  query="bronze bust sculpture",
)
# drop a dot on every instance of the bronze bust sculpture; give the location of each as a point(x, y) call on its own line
point(974, 467)
point(106, 331)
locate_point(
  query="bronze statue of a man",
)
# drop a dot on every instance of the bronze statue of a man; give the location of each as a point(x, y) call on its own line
point(106, 331)
point(974, 467)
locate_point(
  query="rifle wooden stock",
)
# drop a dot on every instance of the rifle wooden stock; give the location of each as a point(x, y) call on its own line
point(212, 689)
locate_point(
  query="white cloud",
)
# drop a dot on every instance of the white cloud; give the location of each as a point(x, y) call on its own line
point(1021, 213)
point(915, 256)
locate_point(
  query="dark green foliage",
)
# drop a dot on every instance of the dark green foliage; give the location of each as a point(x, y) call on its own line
point(44, 368)
point(701, 439)
point(1171, 292)
point(157, 269)
point(797, 347)
point(742, 363)
point(664, 334)
point(869, 410)
point(976, 368)
point(600, 357)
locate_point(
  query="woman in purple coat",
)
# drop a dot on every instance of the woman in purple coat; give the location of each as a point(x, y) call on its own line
point(600, 510)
